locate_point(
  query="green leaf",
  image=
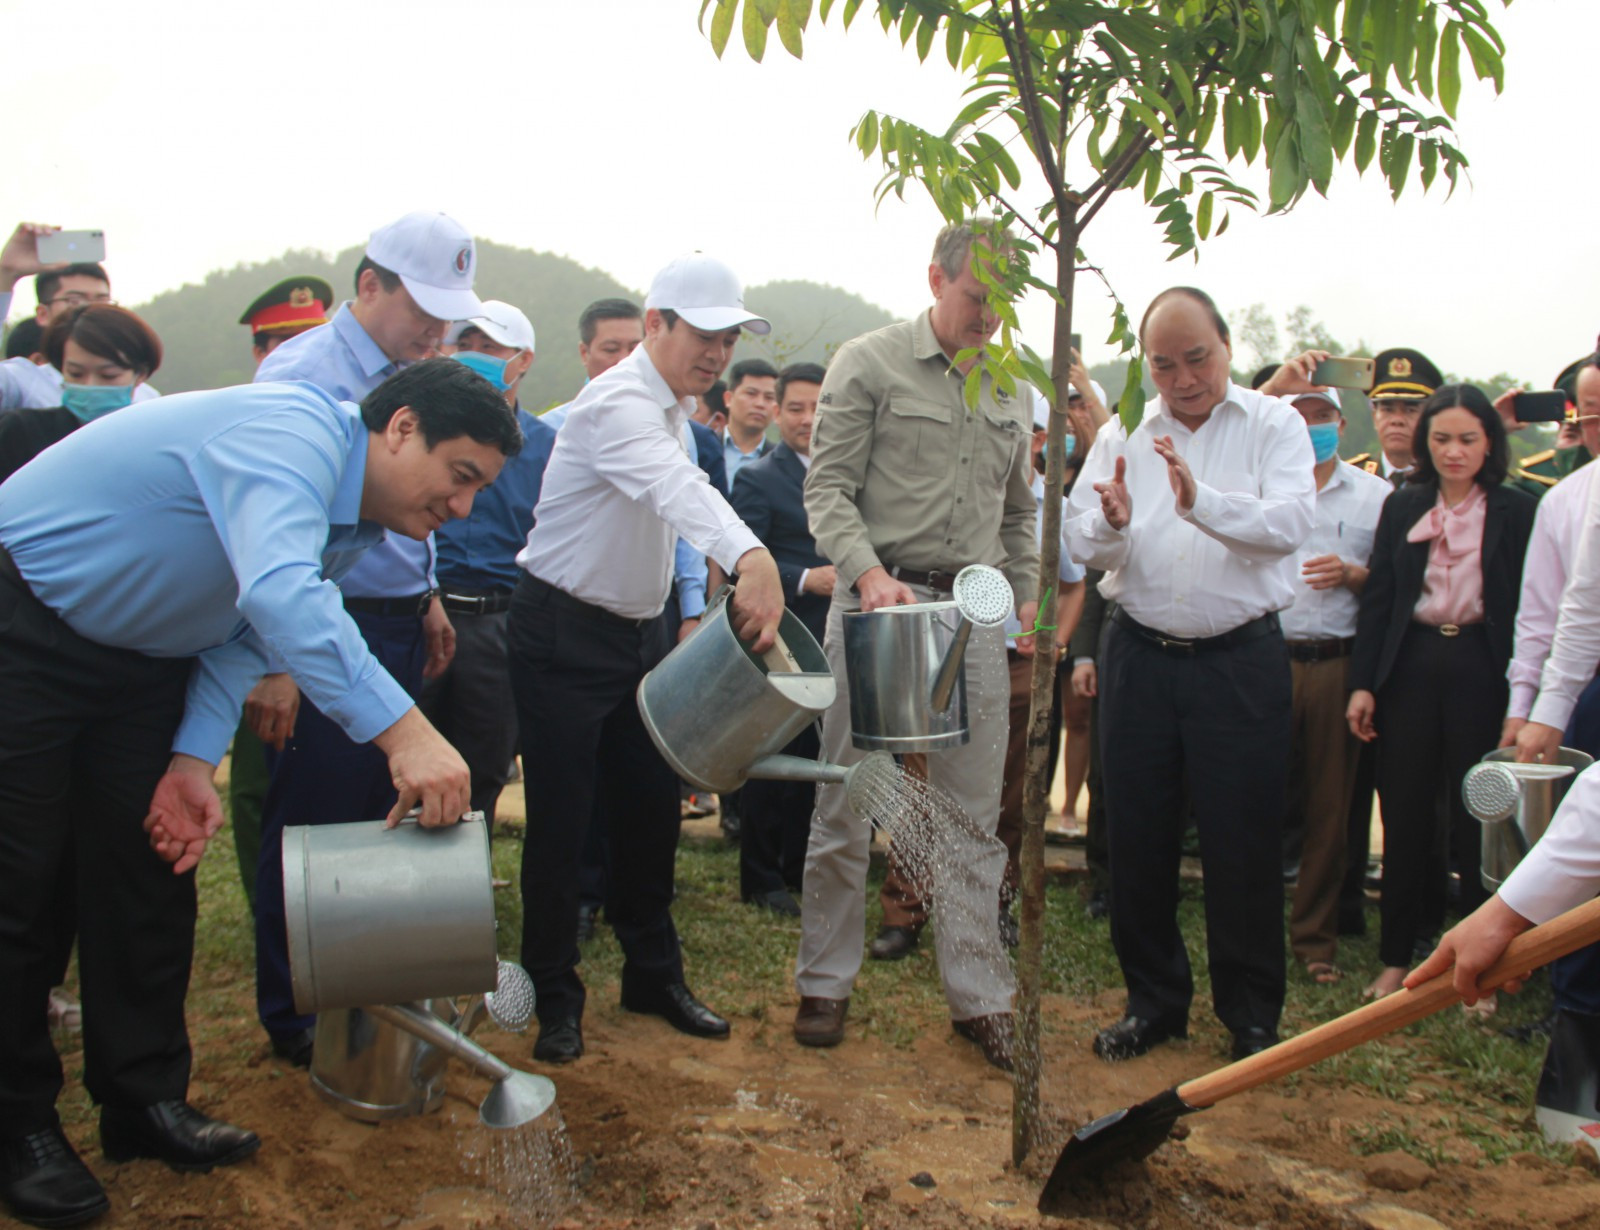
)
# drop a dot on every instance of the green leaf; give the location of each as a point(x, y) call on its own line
point(1450, 68)
point(867, 133)
point(1427, 45)
point(1428, 162)
point(972, 387)
point(1130, 408)
point(925, 33)
point(1208, 120)
point(1287, 178)
point(1399, 163)
point(1314, 139)
point(1486, 60)
point(1366, 140)
point(1344, 125)
point(722, 24)
point(1202, 219)
point(755, 32)
point(1252, 128)
point(789, 25)
point(1232, 127)
point(1144, 115)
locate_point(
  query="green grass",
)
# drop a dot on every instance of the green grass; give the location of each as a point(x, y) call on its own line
point(1465, 1082)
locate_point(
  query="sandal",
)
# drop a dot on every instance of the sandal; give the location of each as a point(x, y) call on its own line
point(1323, 973)
point(64, 1012)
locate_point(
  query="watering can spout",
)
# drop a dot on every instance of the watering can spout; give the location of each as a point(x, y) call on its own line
point(984, 597)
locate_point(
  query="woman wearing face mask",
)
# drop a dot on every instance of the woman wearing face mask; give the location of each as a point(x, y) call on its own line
point(1429, 668)
point(103, 353)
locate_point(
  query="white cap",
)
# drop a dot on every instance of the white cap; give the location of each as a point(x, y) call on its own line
point(501, 323)
point(1331, 396)
point(705, 292)
point(435, 258)
point(1041, 408)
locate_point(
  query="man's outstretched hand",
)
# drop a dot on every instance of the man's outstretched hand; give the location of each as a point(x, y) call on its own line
point(185, 813)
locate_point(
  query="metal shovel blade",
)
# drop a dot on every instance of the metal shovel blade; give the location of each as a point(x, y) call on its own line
point(517, 1099)
point(1122, 1136)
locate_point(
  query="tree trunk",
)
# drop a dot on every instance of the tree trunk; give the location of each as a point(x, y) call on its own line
point(1036, 788)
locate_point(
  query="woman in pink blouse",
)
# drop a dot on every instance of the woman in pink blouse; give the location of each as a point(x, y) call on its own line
point(1428, 673)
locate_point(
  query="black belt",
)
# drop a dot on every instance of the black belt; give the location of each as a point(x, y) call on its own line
point(1320, 651)
point(556, 596)
point(1448, 631)
point(415, 604)
point(484, 602)
point(1264, 625)
point(939, 582)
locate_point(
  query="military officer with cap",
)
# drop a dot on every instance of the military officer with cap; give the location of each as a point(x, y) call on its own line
point(277, 314)
point(286, 310)
point(1404, 380)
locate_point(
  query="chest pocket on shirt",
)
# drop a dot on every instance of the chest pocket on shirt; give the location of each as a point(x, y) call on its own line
point(995, 448)
point(917, 436)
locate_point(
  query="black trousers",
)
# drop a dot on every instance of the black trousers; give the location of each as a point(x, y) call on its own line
point(574, 674)
point(470, 705)
point(85, 734)
point(1218, 722)
point(1437, 714)
point(776, 826)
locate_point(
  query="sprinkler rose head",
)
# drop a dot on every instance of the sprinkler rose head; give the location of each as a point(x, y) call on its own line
point(870, 782)
point(510, 1004)
point(983, 595)
point(1490, 792)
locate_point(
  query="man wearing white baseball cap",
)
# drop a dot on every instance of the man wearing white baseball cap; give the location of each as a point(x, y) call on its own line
point(586, 625)
point(470, 701)
point(414, 279)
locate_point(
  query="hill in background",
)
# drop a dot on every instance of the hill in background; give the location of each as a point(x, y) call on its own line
point(206, 347)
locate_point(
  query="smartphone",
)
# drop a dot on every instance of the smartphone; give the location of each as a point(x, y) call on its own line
point(1550, 407)
point(1075, 340)
point(71, 247)
point(1345, 373)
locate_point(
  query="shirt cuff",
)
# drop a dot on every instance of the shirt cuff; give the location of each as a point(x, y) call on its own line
point(733, 545)
point(691, 600)
point(800, 585)
point(1552, 709)
point(1082, 661)
point(1523, 696)
point(370, 707)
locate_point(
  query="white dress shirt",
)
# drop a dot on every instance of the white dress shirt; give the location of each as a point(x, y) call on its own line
point(619, 489)
point(1068, 571)
point(1230, 559)
point(1562, 871)
point(1552, 550)
point(1575, 651)
point(1348, 506)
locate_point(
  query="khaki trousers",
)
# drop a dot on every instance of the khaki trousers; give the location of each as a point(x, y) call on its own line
point(1322, 772)
point(834, 906)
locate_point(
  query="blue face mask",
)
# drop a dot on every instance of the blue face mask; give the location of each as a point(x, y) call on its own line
point(90, 401)
point(1324, 440)
point(486, 365)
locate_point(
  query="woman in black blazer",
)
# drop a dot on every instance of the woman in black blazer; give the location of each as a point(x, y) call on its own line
point(1428, 672)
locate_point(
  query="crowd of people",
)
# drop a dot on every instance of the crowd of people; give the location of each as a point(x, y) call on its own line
point(381, 580)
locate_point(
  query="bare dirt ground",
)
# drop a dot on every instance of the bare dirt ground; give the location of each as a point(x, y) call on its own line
point(902, 1125)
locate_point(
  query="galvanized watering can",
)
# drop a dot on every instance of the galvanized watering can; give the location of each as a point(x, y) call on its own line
point(1515, 804)
point(385, 926)
point(719, 713)
point(908, 691)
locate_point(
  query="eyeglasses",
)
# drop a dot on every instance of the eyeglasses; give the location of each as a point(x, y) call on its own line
point(76, 298)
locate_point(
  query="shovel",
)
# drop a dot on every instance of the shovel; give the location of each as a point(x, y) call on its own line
point(1137, 1131)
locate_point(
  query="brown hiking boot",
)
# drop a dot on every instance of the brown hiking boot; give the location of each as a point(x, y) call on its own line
point(993, 1035)
point(820, 1022)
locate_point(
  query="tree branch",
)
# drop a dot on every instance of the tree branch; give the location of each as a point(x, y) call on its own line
point(1020, 49)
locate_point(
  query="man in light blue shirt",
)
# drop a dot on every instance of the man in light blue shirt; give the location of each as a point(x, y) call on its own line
point(149, 566)
point(415, 278)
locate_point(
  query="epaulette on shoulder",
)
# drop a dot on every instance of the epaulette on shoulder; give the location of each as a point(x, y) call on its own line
point(1548, 480)
point(1361, 459)
point(1538, 459)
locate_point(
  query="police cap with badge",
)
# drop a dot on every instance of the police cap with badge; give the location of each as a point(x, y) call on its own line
point(292, 306)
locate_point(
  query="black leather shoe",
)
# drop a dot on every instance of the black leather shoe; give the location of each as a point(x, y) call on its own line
point(44, 1183)
point(893, 943)
point(1099, 904)
point(778, 901)
point(559, 1041)
point(1134, 1035)
point(993, 1034)
point(676, 1004)
point(587, 915)
point(175, 1133)
point(1252, 1041)
point(295, 1047)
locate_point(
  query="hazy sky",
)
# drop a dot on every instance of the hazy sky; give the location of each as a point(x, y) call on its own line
point(202, 135)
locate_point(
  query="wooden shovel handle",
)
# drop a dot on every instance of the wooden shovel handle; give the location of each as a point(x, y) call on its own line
point(1528, 951)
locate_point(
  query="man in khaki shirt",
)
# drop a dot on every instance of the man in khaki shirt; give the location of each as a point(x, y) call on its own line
point(906, 487)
